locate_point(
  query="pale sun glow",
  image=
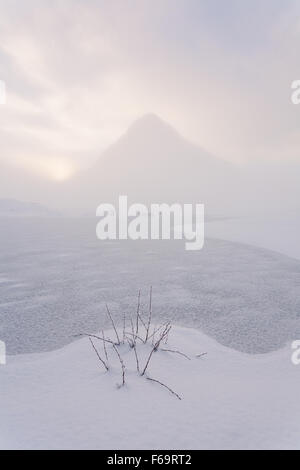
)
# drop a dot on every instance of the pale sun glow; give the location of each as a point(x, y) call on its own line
point(53, 169)
point(61, 171)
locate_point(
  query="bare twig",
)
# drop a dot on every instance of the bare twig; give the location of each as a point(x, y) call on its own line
point(136, 358)
point(142, 321)
point(130, 342)
point(98, 355)
point(149, 316)
point(134, 336)
point(95, 336)
point(153, 334)
point(162, 336)
point(176, 352)
point(202, 354)
point(164, 385)
point(166, 338)
point(124, 326)
point(148, 360)
point(138, 312)
point(104, 346)
point(156, 346)
point(113, 324)
point(156, 330)
point(122, 365)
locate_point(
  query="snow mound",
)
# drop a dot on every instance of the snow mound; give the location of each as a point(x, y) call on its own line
point(65, 399)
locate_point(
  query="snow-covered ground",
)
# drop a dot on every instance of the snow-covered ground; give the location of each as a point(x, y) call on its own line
point(230, 400)
point(55, 279)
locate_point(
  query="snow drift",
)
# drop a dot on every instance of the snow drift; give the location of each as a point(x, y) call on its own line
point(230, 400)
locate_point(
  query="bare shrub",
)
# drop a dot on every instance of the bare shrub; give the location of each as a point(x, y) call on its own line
point(154, 336)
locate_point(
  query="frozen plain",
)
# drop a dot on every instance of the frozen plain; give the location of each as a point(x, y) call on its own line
point(55, 280)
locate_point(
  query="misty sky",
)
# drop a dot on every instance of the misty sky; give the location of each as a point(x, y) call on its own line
point(79, 72)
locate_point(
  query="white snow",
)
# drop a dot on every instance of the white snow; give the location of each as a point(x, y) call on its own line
point(64, 399)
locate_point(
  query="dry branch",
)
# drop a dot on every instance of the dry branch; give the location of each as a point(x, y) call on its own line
point(162, 336)
point(124, 326)
point(97, 337)
point(113, 324)
point(136, 358)
point(134, 335)
point(156, 346)
point(104, 346)
point(149, 316)
point(156, 330)
point(122, 365)
point(166, 386)
point(142, 321)
point(98, 355)
point(138, 312)
point(176, 352)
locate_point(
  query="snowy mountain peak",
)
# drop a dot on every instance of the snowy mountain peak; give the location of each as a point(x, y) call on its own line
point(151, 127)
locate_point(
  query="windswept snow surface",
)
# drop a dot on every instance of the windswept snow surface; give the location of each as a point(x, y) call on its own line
point(64, 399)
point(55, 278)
